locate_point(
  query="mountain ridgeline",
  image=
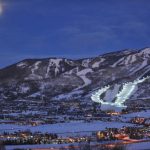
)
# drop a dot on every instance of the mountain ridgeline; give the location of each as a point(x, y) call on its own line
point(65, 79)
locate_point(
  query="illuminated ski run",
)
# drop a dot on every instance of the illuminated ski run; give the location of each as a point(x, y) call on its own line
point(124, 94)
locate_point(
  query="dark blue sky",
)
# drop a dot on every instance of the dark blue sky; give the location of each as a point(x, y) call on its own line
point(71, 28)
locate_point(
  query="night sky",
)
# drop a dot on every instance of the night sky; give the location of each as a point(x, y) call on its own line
point(71, 28)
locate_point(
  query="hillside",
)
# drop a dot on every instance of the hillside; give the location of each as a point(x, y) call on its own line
point(61, 79)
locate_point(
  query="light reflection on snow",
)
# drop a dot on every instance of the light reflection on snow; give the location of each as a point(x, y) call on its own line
point(124, 94)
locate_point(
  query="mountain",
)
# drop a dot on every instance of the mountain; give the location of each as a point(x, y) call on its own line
point(61, 79)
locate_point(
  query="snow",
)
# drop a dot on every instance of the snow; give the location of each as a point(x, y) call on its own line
point(35, 67)
point(96, 96)
point(118, 62)
point(48, 69)
point(130, 59)
point(33, 75)
point(133, 146)
point(147, 70)
point(82, 75)
point(36, 146)
point(24, 89)
point(139, 146)
point(139, 67)
point(86, 62)
point(133, 59)
point(23, 113)
point(69, 62)
point(125, 60)
point(111, 93)
point(70, 71)
point(35, 94)
point(84, 72)
point(43, 85)
point(56, 62)
point(65, 128)
point(145, 52)
point(22, 64)
point(73, 94)
point(147, 122)
point(53, 62)
point(97, 64)
point(127, 90)
point(145, 114)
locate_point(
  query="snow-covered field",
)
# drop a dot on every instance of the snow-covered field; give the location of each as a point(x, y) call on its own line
point(139, 146)
point(73, 94)
point(134, 146)
point(41, 146)
point(65, 127)
point(24, 113)
point(145, 114)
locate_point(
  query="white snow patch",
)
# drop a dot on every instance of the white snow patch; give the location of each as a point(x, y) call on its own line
point(73, 94)
point(53, 62)
point(86, 62)
point(139, 67)
point(118, 62)
point(139, 146)
point(145, 52)
point(61, 128)
point(97, 64)
point(133, 59)
point(145, 114)
point(35, 94)
point(35, 67)
point(125, 60)
point(22, 64)
point(82, 75)
point(24, 89)
point(129, 60)
point(33, 75)
point(111, 94)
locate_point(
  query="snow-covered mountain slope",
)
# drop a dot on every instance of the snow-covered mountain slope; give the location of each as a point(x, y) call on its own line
point(117, 96)
point(57, 78)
